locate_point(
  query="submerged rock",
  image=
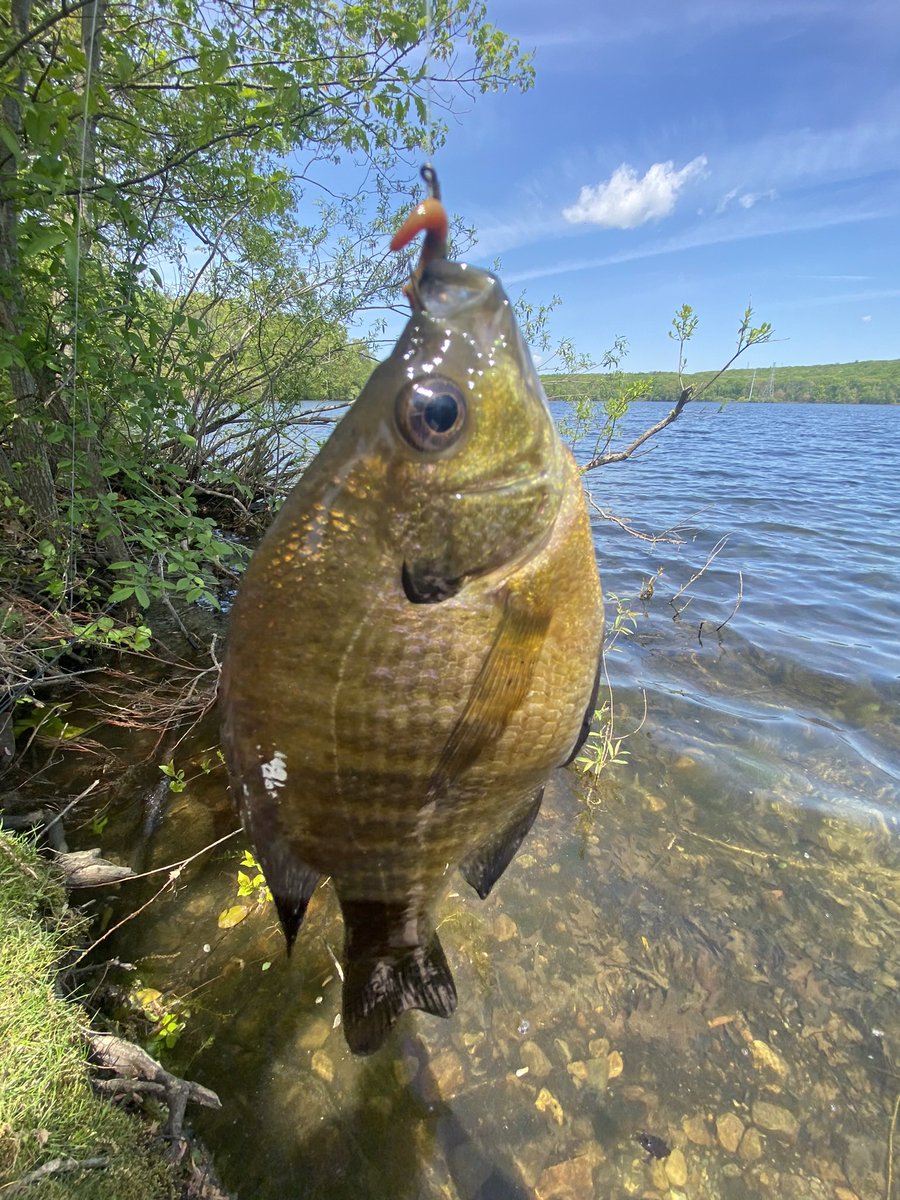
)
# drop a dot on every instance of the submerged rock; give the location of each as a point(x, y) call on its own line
point(676, 1168)
point(323, 1066)
point(765, 1056)
point(505, 928)
point(535, 1060)
point(548, 1103)
point(775, 1119)
point(594, 1072)
point(697, 1130)
point(729, 1131)
point(751, 1147)
point(570, 1180)
point(315, 1034)
point(445, 1077)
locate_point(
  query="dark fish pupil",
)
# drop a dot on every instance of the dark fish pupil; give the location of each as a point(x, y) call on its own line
point(440, 412)
point(431, 413)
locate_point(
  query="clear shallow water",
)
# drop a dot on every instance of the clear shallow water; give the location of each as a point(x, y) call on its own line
point(702, 946)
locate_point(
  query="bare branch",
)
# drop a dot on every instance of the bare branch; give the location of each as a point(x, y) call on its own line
point(714, 553)
point(668, 535)
point(602, 460)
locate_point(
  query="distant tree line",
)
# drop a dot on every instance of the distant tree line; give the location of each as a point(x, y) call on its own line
point(874, 382)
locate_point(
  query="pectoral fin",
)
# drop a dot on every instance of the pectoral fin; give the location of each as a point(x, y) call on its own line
point(484, 867)
point(498, 691)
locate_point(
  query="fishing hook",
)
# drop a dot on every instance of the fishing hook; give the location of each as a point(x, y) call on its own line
point(431, 217)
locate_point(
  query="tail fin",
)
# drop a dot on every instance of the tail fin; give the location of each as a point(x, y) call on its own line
point(379, 987)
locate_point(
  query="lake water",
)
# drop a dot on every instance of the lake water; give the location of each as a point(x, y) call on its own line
point(700, 945)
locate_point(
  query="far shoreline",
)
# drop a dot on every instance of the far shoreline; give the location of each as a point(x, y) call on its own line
point(875, 381)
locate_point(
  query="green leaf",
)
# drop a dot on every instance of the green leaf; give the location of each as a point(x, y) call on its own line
point(45, 240)
point(10, 140)
point(232, 916)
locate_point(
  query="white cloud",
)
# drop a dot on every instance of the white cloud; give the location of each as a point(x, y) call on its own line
point(624, 201)
point(867, 317)
point(750, 198)
point(744, 199)
point(717, 235)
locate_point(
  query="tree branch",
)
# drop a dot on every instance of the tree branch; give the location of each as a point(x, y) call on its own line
point(47, 23)
point(602, 460)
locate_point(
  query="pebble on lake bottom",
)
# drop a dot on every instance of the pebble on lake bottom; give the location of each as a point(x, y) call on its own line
point(547, 1102)
point(535, 1060)
point(570, 1180)
point(323, 1066)
point(775, 1119)
point(314, 1035)
point(445, 1077)
point(751, 1147)
point(676, 1168)
point(697, 1130)
point(505, 928)
point(729, 1131)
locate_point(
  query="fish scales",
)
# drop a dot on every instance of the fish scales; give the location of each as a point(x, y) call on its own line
point(414, 646)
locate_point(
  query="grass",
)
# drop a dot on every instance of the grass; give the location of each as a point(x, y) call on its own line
point(47, 1107)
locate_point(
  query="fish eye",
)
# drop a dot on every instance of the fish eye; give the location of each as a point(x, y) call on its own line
point(431, 413)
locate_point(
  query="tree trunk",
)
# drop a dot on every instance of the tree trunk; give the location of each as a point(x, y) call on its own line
point(24, 462)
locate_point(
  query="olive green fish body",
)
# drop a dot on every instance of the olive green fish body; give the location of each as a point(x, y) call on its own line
point(414, 646)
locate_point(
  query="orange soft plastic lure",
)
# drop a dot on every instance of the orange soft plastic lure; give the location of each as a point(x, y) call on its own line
point(429, 217)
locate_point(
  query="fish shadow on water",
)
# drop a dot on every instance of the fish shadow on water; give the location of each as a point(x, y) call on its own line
point(400, 1141)
point(325, 1125)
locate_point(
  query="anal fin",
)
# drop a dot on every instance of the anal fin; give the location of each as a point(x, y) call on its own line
point(485, 865)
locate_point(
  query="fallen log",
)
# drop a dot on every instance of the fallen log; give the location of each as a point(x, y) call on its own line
point(43, 820)
point(138, 1072)
point(85, 868)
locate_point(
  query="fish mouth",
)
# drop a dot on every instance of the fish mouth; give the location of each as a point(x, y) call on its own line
point(431, 580)
point(423, 583)
point(538, 481)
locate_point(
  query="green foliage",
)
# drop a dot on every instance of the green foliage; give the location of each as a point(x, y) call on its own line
point(604, 744)
point(34, 717)
point(252, 891)
point(602, 749)
point(253, 883)
point(175, 777)
point(107, 632)
point(165, 1019)
point(620, 390)
point(177, 271)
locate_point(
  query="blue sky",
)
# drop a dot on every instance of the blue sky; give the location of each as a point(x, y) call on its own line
point(695, 151)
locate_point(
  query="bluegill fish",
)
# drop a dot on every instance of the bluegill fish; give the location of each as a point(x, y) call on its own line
point(415, 643)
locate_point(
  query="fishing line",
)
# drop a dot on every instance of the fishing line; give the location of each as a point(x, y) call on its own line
point(428, 140)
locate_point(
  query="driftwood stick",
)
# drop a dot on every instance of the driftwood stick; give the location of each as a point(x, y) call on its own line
point(117, 1085)
point(85, 868)
point(56, 1166)
point(135, 1067)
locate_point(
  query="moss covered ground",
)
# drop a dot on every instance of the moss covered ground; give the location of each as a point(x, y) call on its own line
point(48, 1110)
